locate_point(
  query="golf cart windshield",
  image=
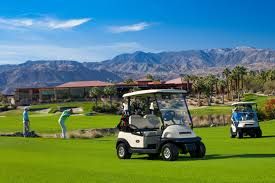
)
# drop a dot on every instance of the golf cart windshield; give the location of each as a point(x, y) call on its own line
point(244, 113)
point(174, 109)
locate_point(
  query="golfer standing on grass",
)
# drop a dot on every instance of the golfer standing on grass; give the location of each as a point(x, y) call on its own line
point(65, 114)
point(26, 122)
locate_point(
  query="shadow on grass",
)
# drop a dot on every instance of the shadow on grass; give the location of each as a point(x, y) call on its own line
point(211, 157)
point(266, 136)
point(219, 156)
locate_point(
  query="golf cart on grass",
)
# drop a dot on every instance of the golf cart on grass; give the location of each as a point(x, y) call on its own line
point(244, 120)
point(158, 122)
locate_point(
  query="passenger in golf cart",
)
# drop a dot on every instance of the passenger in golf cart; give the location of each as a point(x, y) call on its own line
point(158, 122)
point(244, 120)
point(241, 113)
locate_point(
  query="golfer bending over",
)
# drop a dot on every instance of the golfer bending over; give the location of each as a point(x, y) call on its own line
point(26, 122)
point(65, 114)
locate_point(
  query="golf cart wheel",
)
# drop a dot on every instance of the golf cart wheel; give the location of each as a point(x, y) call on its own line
point(259, 133)
point(199, 151)
point(123, 152)
point(232, 134)
point(153, 156)
point(169, 152)
point(240, 134)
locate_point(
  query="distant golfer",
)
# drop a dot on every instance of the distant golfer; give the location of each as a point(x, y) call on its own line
point(26, 122)
point(65, 114)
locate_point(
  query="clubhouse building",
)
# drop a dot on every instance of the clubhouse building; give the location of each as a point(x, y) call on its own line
point(79, 90)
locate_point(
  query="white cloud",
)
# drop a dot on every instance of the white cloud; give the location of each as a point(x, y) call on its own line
point(129, 28)
point(56, 24)
point(14, 53)
point(45, 22)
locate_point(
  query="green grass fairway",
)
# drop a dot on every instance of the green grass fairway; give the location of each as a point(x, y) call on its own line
point(55, 160)
point(210, 110)
point(260, 100)
point(48, 123)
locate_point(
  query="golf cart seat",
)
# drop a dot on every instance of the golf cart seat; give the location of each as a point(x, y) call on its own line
point(148, 125)
point(153, 120)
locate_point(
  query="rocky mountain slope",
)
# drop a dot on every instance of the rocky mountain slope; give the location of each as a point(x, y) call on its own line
point(171, 64)
point(164, 65)
point(49, 73)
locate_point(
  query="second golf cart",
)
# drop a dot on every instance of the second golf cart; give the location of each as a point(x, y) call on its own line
point(244, 120)
point(157, 122)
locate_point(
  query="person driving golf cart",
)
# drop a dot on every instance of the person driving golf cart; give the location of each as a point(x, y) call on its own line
point(236, 116)
point(244, 120)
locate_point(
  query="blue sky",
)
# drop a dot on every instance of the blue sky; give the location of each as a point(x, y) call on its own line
point(95, 30)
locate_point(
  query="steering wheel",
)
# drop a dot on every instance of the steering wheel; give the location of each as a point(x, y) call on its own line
point(135, 128)
point(169, 116)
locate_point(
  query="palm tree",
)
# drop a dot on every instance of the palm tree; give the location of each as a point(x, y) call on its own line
point(95, 92)
point(239, 72)
point(236, 72)
point(210, 82)
point(226, 73)
point(242, 72)
point(198, 87)
point(186, 78)
point(136, 88)
point(110, 91)
point(231, 78)
point(222, 86)
point(129, 81)
point(271, 75)
point(193, 78)
point(150, 76)
point(263, 75)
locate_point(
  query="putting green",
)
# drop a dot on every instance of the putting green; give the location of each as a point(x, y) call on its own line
point(55, 160)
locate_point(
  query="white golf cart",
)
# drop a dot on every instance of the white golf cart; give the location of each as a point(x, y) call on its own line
point(244, 120)
point(158, 122)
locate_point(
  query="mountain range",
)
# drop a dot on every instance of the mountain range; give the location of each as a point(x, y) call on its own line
point(163, 65)
point(171, 64)
point(48, 73)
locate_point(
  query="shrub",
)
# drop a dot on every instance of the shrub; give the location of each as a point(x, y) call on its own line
point(270, 109)
point(4, 108)
point(261, 114)
point(105, 109)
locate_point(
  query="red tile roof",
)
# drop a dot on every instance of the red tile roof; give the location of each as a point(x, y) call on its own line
point(76, 84)
point(155, 83)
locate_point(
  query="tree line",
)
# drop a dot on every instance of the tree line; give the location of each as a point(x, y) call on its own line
point(98, 92)
point(231, 84)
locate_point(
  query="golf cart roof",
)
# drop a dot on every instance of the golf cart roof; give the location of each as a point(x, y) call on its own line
point(243, 103)
point(154, 91)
